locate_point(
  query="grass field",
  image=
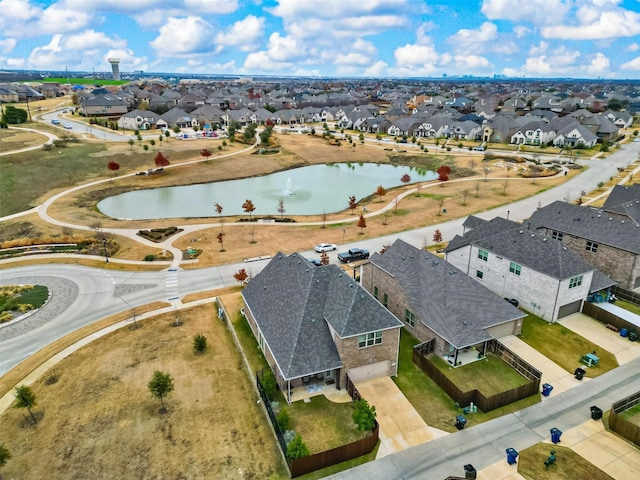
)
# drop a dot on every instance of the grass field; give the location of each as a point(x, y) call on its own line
point(568, 466)
point(84, 81)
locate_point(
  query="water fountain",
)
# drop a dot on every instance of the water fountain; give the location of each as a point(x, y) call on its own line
point(288, 189)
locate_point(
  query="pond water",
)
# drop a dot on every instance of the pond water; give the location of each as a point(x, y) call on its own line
point(304, 191)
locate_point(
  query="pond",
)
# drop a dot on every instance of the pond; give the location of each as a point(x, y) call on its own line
point(303, 191)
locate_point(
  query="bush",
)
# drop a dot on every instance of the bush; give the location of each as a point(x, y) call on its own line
point(364, 415)
point(283, 420)
point(149, 258)
point(199, 343)
point(269, 384)
point(297, 449)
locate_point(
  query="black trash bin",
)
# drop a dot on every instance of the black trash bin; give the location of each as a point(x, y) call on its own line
point(579, 373)
point(469, 471)
point(460, 422)
point(596, 413)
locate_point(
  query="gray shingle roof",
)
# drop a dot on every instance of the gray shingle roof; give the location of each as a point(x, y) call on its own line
point(624, 200)
point(294, 303)
point(445, 299)
point(589, 223)
point(481, 230)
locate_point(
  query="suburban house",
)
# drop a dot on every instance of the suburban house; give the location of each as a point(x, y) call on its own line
point(605, 239)
point(317, 324)
point(438, 302)
point(518, 263)
point(138, 120)
point(533, 133)
point(103, 105)
point(176, 117)
point(575, 135)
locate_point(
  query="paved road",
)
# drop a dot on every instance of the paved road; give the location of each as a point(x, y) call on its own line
point(485, 444)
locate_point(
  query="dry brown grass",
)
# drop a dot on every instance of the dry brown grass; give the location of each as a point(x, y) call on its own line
point(100, 421)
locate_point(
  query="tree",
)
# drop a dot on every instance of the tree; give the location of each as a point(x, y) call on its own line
point(297, 448)
point(361, 137)
point(381, 192)
point(248, 207)
point(472, 163)
point(5, 455)
point(145, 148)
point(324, 220)
point(406, 179)
point(167, 133)
point(364, 415)
point(284, 422)
point(353, 203)
point(219, 209)
point(281, 208)
point(486, 173)
point(241, 276)
point(160, 160)
point(152, 142)
point(113, 166)
point(161, 385)
point(362, 223)
point(13, 115)
point(25, 398)
point(131, 143)
point(221, 241)
point(465, 194)
point(199, 343)
point(443, 174)
point(205, 153)
point(324, 258)
point(224, 144)
point(477, 188)
point(384, 249)
point(437, 236)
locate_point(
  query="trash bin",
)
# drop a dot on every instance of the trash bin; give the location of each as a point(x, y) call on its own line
point(469, 471)
point(555, 435)
point(512, 455)
point(623, 332)
point(546, 389)
point(460, 422)
point(466, 410)
point(633, 336)
point(596, 413)
point(579, 373)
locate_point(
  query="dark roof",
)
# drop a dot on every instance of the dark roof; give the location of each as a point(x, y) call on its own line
point(296, 305)
point(444, 298)
point(589, 223)
point(600, 281)
point(624, 200)
point(472, 222)
point(482, 229)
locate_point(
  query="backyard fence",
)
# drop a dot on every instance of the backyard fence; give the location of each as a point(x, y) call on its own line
point(622, 426)
point(606, 317)
point(486, 404)
point(628, 295)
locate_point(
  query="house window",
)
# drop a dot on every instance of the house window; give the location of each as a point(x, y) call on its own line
point(479, 273)
point(515, 268)
point(575, 281)
point(369, 339)
point(410, 317)
point(556, 235)
point(385, 300)
point(375, 292)
point(592, 247)
point(483, 254)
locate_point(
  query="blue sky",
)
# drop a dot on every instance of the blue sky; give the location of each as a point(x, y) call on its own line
point(362, 38)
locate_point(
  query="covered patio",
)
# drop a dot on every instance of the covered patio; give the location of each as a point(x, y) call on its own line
point(458, 357)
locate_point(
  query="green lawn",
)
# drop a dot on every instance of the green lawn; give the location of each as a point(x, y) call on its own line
point(632, 307)
point(564, 347)
point(84, 81)
point(569, 465)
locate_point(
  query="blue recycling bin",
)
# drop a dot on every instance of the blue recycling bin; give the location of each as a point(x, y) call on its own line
point(460, 422)
point(546, 389)
point(623, 332)
point(512, 455)
point(555, 435)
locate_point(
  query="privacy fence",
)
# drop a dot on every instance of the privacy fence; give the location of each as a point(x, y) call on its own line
point(622, 426)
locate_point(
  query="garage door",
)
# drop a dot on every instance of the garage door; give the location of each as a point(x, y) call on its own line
point(367, 372)
point(499, 331)
point(569, 308)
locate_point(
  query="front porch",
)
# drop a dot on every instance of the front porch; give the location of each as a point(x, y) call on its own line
point(312, 389)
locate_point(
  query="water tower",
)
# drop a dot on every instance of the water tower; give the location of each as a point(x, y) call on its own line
point(115, 68)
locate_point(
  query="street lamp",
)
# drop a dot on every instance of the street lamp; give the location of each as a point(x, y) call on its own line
point(104, 244)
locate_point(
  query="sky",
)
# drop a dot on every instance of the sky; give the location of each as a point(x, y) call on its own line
point(345, 38)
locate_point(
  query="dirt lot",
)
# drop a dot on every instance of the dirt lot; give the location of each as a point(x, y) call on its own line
point(100, 421)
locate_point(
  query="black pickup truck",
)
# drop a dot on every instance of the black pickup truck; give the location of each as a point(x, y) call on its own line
point(353, 255)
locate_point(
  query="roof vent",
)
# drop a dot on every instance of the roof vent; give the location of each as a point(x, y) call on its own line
point(610, 218)
point(533, 235)
point(564, 248)
point(544, 239)
point(521, 231)
point(599, 215)
point(351, 285)
point(621, 221)
point(264, 288)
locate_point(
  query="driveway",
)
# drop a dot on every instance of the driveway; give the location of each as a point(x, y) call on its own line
point(401, 427)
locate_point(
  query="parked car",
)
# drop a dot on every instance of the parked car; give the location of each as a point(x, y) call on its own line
point(55, 121)
point(479, 149)
point(67, 126)
point(325, 247)
point(353, 254)
point(315, 261)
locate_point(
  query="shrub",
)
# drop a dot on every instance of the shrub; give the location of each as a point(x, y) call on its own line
point(199, 343)
point(149, 258)
point(269, 384)
point(364, 415)
point(283, 420)
point(297, 448)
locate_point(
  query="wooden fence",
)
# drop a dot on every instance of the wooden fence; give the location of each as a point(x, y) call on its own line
point(486, 404)
point(606, 317)
point(628, 295)
point(622, 426)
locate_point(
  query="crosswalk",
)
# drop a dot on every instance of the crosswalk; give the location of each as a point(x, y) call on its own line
point(171, 286)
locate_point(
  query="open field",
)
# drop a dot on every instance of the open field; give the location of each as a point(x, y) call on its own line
point(100, 421)
point(569, 465)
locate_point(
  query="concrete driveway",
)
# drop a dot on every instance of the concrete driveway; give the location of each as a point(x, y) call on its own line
point(401, 426)
point(596, 332)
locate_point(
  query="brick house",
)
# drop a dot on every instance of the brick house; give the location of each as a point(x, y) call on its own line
point(317, 324)
point(437, 301)
point(606, 238)
point(514, 262)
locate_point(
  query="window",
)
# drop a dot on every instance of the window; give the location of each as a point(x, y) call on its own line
point(375, 292)
point(410, 317)
point(385, 300)
point(515, 268)
point(369, 339)
point(575, 281)
point(592, 247)
point(556, 235)
point(483, 255)
point(479, 273)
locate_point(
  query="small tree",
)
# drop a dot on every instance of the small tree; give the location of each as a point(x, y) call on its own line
point(167, 133)
point(113, 166)
point(152, 142)
point(241, 276)
point(364, 415)
point(205, 153)
point(353, 204)
point(281, 208)
point(297, 448)
point(472, 163)
point(160, 160)
point(199, 343)
point(219, 209)
point(221, 241)
point(465, 194)
point(437, 236)
point(269, 384)
point(161, 385)
point(384, 249)
point(443, 174)
point(248, 207)
point(131, 143)
point(284, 422)
point(477, 188)
point(486, 173)
point(406, 179)
point(362, 223)
point(5, 456)
point(145, 148)
point(324, 258)
point(324, 220)
point(381, 192)
point(25, 398)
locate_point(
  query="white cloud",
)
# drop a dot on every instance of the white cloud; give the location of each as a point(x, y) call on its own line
point(378, 69)
point(634, 47)
point(183, 36)
point(244, 33)
point(465, 38)
point(262, 62)
point(633, 65)
point(16, 62)
point(595, 24)
point(352, 59)
point(521, 31)
point(542, 47)
point(332, 8)
point(218, 7)
point(538, 12)
point(8, 44)
point(599, 66)
point(25, 20)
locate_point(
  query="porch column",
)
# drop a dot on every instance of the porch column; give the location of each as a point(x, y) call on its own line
point(288, 391)
point(484, 348)
point(455, 358)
